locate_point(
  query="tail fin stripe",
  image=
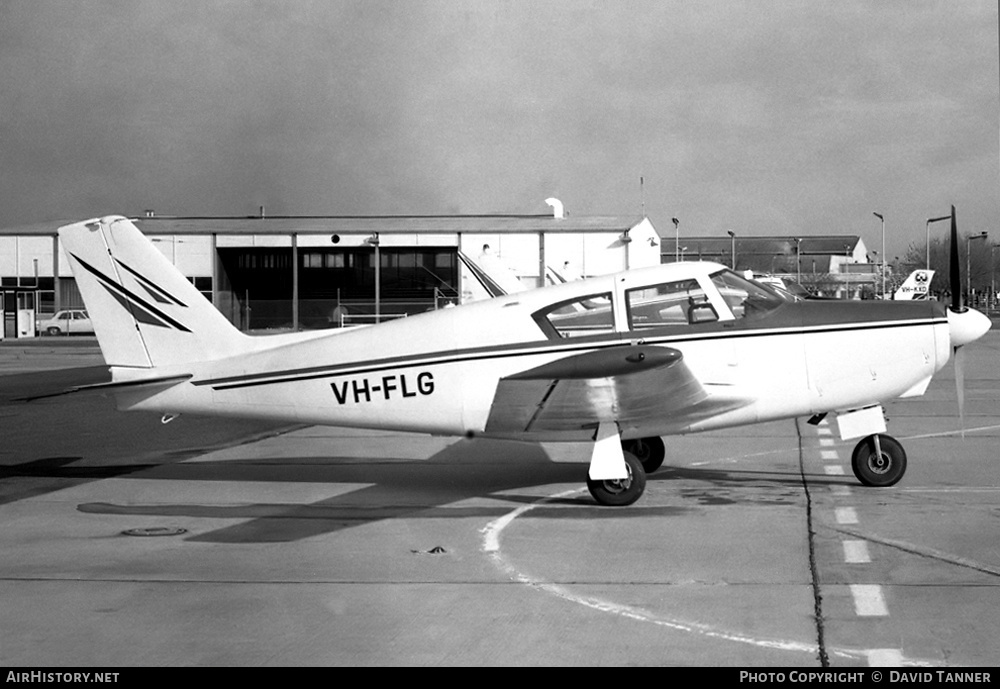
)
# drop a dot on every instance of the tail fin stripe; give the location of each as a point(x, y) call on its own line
point(133, 300)
point(156, 292)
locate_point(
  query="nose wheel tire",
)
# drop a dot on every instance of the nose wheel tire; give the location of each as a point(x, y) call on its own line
point(879, 464)
point(649, 451)
point(620, 492)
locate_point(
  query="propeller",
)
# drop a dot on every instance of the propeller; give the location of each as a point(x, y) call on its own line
point(965, 325)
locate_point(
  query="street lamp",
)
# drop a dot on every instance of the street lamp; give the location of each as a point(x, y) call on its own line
point(374, 241)
point(847, 267)
point(928, 230)
point(968, 265)
point(732, 236)
point(677, 239)
point(993, 275)
point(798, 260)
point(879, 216)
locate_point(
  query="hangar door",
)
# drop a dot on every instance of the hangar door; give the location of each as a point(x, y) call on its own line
point(335, 286)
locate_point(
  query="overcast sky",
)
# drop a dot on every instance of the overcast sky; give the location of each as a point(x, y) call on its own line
point(791, 117)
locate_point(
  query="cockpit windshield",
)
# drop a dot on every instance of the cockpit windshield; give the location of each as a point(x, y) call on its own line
point(746, 299)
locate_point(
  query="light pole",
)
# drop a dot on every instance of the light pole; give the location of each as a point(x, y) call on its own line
point(847, 267)
point(879, 216)
point(732, 236)
point(993, 275)
point(677, 239)
point(374, 241)
point(928, 229)
point(798, 260)
point(968, 265)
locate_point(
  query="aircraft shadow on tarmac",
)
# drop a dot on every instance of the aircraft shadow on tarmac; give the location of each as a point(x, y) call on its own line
point(429, 489)
point(138, 446)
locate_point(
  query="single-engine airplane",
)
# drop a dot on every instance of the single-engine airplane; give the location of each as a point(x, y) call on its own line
point(620, 360)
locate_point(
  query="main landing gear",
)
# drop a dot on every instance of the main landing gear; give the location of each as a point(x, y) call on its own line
point(649, 451)
point(879, 460)
point(618, 467)
point(620, 492)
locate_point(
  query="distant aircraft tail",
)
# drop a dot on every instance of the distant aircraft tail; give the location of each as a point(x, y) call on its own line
point(916, 286)
point(496, 278)
point(145, 312)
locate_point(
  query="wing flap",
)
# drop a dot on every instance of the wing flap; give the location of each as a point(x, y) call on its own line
point(627, 384)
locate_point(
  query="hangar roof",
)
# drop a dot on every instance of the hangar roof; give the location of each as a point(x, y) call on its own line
point(319, 224)
point(831, 245)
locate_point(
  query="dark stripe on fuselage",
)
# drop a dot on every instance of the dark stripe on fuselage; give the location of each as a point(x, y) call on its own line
point(792, 319)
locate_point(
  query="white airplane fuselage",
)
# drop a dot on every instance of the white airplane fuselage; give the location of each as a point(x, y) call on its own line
point(619, 360)
point(804, 358)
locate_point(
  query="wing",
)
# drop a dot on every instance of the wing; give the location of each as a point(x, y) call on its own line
point(634, 385)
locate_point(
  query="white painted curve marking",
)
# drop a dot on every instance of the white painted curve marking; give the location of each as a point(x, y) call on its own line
point(491, 546)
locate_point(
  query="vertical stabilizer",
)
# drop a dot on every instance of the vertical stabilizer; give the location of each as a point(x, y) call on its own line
point(145, 312)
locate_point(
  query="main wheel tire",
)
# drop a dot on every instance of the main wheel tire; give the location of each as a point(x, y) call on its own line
point(621, 492)
point(54, 331)
point(879, 470)
point(649, 451)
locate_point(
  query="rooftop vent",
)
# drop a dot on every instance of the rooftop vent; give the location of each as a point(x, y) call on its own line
point(557, 207)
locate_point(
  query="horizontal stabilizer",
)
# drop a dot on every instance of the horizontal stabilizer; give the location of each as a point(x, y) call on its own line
point(149, 385)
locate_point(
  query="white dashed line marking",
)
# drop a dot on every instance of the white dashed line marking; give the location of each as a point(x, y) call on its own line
point(846, 515)
point(856, 552)
point(829, 454)
point(833, 470)
point(868, 600)
point(840, 490)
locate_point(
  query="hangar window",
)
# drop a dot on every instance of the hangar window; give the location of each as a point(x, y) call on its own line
point(590, 315)
point(203, 285)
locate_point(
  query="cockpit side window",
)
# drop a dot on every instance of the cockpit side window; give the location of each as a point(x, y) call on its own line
point(746, 299)
point(682, 302)
point(590, 315)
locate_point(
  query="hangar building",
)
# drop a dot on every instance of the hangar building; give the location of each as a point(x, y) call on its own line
point(830, 265)
point(265, 272)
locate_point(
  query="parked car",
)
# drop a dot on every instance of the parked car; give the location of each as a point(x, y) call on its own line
point(68, 322)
